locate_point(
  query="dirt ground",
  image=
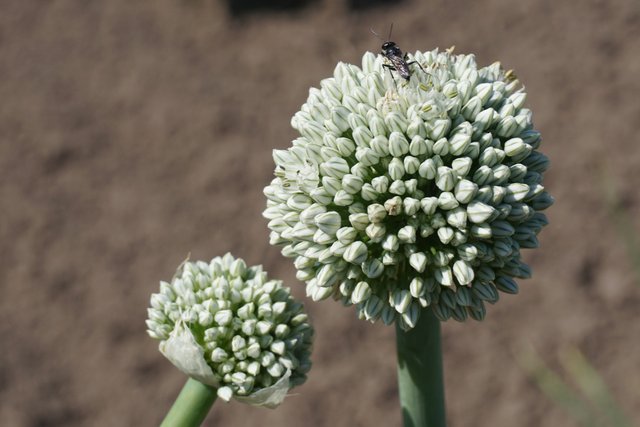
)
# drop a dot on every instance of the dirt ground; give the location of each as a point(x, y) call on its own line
point(134, 133)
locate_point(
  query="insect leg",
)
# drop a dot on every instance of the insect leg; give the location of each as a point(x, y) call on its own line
point(391, 67)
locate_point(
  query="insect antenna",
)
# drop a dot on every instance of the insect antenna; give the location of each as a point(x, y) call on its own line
point(376, 34)
point(390, 31)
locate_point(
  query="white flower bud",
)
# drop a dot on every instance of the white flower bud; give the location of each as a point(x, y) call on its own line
point(407, 234)
point(516, 192)
point(467, 252)
point(393, 206)
point(411, 187)
point(376, 231)
point(461, 166)
point(441, 147)
point(372, 268)
point(359, 221)
point(418, 146)
point(397, 187)
point(373, 307)
point(417, 287)
point(398, 144)
point(459, 144)
point(429, 205)
point(367, 156)
point(328, 222)
point(443, 276)
point(418, 261)
point(472, 108)
point(440, 129)
point(481, 230)
point(445, 234)
point(391, 243)
point(381, 183)
point(225, 393)
point(356, 253)
point(352, 183)
point(465, 191)
point(447, 201)
point(463, 272)
point(396, 169)
point(457, 218)
point(401, 300)
point(411, 164)
point(479, 212)
point(428, 169)
point(342, 198)
point(376, 212)
point(346, 235)
point(416, 128)
point(223, 317)
point(361, 293)
point(396, 123)
point(411, 206)
point(336, 167)
point(445, 179)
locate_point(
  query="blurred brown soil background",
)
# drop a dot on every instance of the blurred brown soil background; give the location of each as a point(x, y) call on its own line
point(134, 133)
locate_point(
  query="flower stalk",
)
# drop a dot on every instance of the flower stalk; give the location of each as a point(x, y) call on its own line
point(420, 378)
point(191, 406)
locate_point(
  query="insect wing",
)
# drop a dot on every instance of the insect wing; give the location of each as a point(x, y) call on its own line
point(401, 66)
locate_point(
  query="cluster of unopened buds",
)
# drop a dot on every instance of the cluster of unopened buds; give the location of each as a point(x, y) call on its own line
point(402, 195)
point(231, 327)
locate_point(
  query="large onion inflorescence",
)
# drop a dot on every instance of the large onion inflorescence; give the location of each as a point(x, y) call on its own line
point(403, 195)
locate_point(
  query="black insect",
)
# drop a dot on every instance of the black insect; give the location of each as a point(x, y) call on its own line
point(397, 58)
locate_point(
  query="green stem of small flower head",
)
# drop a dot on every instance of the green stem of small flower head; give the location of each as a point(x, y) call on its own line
point(420, 378)
point(191, 406)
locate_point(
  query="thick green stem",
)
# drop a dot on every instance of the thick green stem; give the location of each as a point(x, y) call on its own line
point(191, 406)
point(420, 377)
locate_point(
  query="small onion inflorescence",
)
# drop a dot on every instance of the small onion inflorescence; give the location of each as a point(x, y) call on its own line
point(227, 325)
point(404, 195)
